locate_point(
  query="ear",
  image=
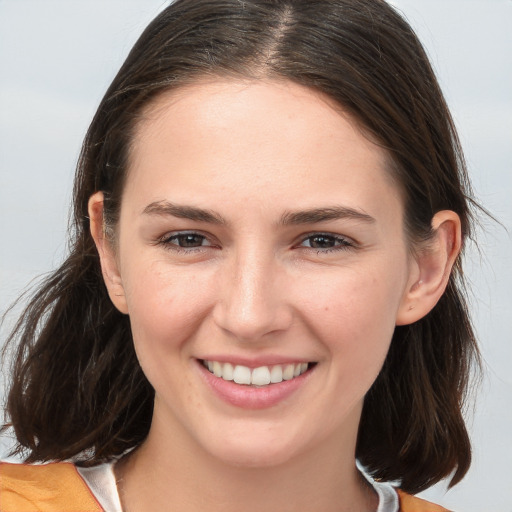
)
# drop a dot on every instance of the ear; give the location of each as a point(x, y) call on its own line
point(109, 264)
point(432, 268)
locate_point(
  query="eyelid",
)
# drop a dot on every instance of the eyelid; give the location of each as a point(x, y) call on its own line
point(345, 241)
point(341, 242)
point(166, 240)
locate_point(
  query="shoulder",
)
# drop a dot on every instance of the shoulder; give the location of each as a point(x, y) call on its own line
point(410, 503)
point(52, 487)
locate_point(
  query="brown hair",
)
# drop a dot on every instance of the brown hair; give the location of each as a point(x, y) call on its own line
point(77, 388)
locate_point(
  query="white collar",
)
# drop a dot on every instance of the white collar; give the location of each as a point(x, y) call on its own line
point(101, 481)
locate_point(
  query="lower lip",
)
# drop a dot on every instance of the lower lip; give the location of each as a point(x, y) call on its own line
point(251, 397)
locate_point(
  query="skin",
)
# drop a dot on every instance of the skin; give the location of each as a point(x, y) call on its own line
point(254, 288)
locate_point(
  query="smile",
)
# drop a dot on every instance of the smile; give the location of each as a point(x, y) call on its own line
point(261, 376)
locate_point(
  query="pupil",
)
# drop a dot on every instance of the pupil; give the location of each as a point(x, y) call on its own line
point(321, 242)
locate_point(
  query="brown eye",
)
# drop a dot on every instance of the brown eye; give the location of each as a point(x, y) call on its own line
point(185, 240)
point(322, 242)
point(326, 242)
point(189, 240)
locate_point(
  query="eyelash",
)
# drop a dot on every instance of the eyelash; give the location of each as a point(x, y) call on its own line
point(167, 241)
point(343, 243)
point(340, 243)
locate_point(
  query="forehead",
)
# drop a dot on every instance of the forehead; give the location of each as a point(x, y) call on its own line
point(274, 138)
point(215, 105)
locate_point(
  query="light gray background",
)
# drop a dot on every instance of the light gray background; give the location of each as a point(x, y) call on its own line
point(58, 57)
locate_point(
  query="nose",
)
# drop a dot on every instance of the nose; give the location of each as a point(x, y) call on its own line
point(252, 302)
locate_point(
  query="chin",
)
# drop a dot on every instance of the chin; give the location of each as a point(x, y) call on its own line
point(255, 459)
point(254, 451)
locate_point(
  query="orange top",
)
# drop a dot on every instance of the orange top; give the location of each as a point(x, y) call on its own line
point(58, 487)
point(44, 488)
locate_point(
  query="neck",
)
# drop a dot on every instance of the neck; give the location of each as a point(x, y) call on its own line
point(176, 475)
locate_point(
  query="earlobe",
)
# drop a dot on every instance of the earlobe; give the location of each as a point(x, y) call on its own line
point(433, 266)
point(109, 265)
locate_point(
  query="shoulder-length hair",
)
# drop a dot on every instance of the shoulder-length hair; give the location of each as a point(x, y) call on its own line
point(77, 388)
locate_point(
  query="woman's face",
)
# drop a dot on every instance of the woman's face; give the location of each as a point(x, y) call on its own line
point(260, 235)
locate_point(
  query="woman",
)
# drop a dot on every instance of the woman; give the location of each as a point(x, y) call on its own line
point(264, 284)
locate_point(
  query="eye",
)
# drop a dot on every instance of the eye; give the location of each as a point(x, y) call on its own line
point(185, 240)
point(325, 242)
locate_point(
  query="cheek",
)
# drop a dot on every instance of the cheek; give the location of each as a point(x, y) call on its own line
point(354, 312)
point(165, 304)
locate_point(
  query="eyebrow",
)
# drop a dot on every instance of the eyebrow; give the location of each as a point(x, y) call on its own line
point(316, 215)
point(311, 216)
point(166, 208)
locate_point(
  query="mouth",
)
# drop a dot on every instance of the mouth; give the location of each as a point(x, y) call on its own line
point(257, 377)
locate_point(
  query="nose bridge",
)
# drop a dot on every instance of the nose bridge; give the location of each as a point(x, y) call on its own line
point(253, 303)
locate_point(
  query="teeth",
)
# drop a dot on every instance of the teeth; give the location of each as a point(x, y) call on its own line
point(288, 372)
point(276, 374)
point(217, 369)
point(242, 375)
point(261, 376)
point(227, 373)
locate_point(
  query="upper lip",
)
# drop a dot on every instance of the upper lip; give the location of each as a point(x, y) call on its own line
point(256, 362)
